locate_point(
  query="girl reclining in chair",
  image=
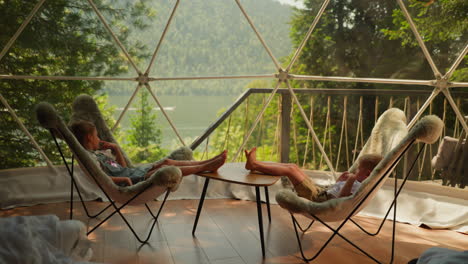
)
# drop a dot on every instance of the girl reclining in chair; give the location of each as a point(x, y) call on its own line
point(345, 185)
point(113, 163)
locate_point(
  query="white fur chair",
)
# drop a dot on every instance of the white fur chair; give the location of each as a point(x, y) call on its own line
point(389, 138)
point(166, 179)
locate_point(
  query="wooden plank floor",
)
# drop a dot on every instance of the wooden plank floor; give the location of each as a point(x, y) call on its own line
point(227, 233)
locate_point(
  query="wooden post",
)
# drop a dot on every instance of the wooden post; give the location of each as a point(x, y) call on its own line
point(285, 126)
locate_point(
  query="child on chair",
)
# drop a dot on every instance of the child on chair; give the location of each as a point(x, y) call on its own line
point(113, 163)
point(345, 185)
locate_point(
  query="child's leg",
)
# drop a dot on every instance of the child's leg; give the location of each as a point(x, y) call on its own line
point(172, 162)
point(292, 171)
point(210, 166)
point(303, 185)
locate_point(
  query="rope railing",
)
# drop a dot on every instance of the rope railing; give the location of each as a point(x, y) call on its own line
point(311, 120)
point(352, 113)
point(344, 125)
point(326, 130)
point(296, 148)
point(277, 132)
point(358, 129)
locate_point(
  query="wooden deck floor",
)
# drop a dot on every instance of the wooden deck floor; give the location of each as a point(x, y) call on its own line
point(228, 234)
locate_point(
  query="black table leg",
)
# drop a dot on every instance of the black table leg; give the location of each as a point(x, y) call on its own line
point(260, 220)
point(267, 198)
point(200, 205)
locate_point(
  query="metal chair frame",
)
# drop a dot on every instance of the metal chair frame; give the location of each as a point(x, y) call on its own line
point(117, 209)
point(393, 206)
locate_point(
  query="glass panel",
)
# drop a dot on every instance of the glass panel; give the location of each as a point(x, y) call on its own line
point(232, 131)
point(352, 39)
point(441, 24)
point(13, 15)
point(22, 96)
point(453, 127)
point(141, 129)
point(211, 38)
point(191, 114)
point(461, 72)
point(139, 26)
point(271, 19)
point(64, 39)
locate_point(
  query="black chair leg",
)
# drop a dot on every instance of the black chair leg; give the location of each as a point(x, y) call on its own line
point(303, 230)
point(200, 205)
point(260, 220)
point(160, 208)
point(116, 209)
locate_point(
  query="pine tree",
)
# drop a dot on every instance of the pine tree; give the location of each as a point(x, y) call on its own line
point(144, 137)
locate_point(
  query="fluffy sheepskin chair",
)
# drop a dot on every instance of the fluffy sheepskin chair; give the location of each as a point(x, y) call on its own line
point(389, 137)
point(85, 108)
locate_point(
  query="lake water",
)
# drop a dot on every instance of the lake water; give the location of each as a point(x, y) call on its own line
point(191, 115)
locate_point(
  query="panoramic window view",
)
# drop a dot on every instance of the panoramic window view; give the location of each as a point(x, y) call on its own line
point(235, 131)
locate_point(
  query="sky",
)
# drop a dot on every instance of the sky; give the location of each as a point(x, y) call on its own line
point(296, 3)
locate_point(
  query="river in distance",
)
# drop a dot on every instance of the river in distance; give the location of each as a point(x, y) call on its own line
point(191, 115)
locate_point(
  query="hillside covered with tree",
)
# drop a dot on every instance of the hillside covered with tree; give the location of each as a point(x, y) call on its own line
point(211, 38)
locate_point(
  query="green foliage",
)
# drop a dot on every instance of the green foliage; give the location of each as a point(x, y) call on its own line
point(231, 132)
point(461, 74)
point(348, 42)
point(144, 137)
point(63, 38)
point(442, 24)
point(147, 154)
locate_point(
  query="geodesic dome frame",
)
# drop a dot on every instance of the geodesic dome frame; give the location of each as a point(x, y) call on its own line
point(441, 82)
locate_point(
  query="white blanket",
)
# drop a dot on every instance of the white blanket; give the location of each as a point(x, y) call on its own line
point(437, 255)
point(43, 239)
point(30, 186)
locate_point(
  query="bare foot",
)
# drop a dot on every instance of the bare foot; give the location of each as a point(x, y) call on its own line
point(217, 156)
point(251, 159)
point(203, 162)
point(215, 164)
